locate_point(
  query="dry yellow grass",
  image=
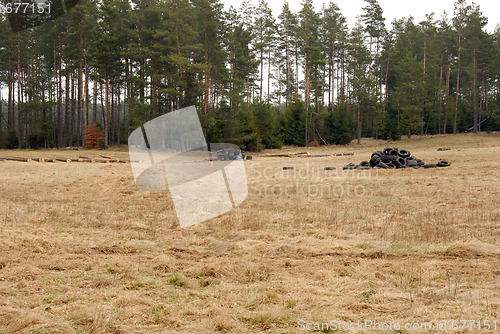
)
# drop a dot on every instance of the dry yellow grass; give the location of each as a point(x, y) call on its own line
point(82, 250)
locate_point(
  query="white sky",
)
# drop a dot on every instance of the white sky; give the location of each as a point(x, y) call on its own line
point(393, 9)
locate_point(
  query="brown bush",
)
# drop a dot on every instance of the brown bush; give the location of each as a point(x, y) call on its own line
point(314, 143)
point(92, 135)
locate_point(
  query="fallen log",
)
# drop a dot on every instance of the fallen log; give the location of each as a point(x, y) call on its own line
point(313, 155)
point(123, 161)
point(96, 159)
point(342, 154)
point(16, 159)
point(305, 155)
point(63, 159)
point(85, 160)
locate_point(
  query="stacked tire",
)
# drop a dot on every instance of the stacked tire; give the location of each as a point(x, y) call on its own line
point(392, 157)
point(230, 154)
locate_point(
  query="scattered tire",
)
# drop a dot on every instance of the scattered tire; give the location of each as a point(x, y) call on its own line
point(443, 163)
point(330, 168)
point(248, 157)
point(288, 168)
point(430, 166)
point(364, 164)
point(351, 165)
point(377, 153)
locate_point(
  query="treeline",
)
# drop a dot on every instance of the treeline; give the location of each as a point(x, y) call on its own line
point(258, 80)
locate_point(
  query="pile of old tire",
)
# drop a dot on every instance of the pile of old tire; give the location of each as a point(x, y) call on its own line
point(392, 157)
point(230, 154)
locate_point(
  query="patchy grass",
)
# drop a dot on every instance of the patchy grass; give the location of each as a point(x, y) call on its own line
point(82, 250)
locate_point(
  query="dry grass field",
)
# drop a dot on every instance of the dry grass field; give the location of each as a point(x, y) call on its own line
point(83, 250)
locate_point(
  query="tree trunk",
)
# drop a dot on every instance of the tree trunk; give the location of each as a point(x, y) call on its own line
point(360, 123)
point(112, 112)
point(19, 116)
point(458, 82)
point(476, 113)
point(60, 127)
point(333, 75)
point(106, 111)
point(73, 108)
point(118, 122)
point(440, 99)
point(261, 71)
point(207, 73)
point(370, 59)
point(287, 94)
point(269, 75)
point(10, 106)
point(447, 99)
point(80, 92)
point(307, 101)
point(86, 120)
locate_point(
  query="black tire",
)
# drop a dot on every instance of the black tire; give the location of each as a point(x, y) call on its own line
point(411, 163)
point(288, 168)
point(377, 153)
point(248, 157)
point(382, 165)
point(387, 150)
point(375, 160)
point(420, 162)
point(411, 158)
point(220, 155)
point(330, 168)
point(399, 162)
point(394, 152)
point(387, 158)
point(443, 163)
point(404, 154)
point(351, 165)
point(364, 164)
point(430, 166)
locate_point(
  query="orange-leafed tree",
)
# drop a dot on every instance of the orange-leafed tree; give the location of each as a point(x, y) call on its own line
point(92, 135)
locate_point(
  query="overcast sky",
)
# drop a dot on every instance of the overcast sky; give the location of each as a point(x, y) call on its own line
point(393, 9)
